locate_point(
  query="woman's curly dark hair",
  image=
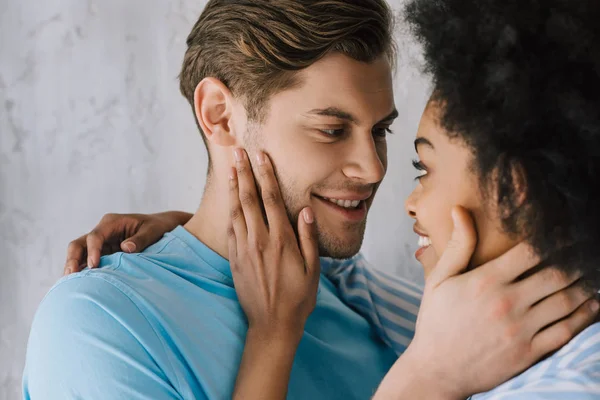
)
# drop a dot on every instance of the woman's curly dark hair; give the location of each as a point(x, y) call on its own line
point(519, 82)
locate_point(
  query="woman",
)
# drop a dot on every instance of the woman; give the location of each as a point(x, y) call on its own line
point(511, 134)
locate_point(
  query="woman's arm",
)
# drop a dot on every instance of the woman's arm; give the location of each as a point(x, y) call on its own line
point(266, 365)
point(276, 278)
point(129, 233)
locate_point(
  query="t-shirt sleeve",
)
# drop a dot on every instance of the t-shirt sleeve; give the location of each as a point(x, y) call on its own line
point(389, 303)
point(90, 341)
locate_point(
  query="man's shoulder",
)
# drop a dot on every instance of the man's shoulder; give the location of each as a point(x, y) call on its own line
point(102, 301)
point(87, 329)
point(85, 300)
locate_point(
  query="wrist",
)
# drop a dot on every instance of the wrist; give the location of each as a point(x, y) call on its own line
point(178, 217)
point(279, 335)
point(278, 347)
point(413, 377)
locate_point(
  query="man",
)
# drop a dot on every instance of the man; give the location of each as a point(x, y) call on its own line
point(308, 82)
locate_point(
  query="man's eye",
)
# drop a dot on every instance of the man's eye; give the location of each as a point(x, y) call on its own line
point(382, 132)
point(332, 132)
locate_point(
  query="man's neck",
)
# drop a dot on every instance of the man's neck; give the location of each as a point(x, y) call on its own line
point(210, 222)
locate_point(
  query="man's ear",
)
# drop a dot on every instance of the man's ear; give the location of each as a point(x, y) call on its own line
point(214, 110)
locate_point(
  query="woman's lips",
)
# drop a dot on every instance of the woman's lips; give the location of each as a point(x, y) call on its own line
point(420, 252)
point(424, 244)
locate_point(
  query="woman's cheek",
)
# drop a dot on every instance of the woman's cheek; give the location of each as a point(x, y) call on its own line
point(441, 228)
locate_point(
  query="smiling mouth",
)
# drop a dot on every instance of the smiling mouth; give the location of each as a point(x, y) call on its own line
point(424, 241)
point(348, 204)
point(349, 210)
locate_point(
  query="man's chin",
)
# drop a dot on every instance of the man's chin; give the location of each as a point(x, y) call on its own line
point(339, 249)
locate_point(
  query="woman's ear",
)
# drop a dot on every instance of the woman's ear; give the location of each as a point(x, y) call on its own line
point(512, 192)
point(214, 110)
point(520, 184)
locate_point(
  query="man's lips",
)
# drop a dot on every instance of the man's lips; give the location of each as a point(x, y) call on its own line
point(347, 196)
point(355, 213)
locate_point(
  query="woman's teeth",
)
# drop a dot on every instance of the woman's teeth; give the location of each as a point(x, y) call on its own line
point(344, 203)
point(424, 241)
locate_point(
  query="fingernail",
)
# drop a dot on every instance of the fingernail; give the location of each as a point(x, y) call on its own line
point(68, 271)
point(238, 154)
point(260, 158)
point(594, 306)
point(90, 263)
point(232, 174)
point(129, 247)
point(308, 216)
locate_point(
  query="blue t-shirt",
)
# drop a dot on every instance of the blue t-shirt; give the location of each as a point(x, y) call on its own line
point(166, 324)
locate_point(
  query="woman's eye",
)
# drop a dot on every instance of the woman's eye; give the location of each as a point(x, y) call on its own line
point(382, 132)
point(421, 168)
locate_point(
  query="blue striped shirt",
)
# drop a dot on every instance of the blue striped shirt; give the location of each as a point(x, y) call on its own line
point(391, 305)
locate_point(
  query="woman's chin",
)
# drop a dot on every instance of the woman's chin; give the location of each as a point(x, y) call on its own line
point(428, 259)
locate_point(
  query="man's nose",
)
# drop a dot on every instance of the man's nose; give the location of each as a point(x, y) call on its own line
point(365, 163)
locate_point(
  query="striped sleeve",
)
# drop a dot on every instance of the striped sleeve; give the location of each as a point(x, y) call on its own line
point(389, 303)
point(571, 373)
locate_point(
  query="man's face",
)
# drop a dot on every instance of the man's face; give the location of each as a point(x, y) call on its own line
point(327, 140)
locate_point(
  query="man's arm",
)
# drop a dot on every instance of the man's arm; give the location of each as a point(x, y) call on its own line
point(90, 341)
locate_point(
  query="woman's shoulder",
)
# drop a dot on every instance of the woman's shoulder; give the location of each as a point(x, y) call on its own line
point(572, 371)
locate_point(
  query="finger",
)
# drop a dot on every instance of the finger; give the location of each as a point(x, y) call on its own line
point(236, 213)
point(309, 247)
point(514, 263)
point(271, 195)
point(94, 242)
point(76, 256)
point(232, 246)
point(249, 196)
point(559, 334)
point(557, 306)
point(542, 284)
point(143, 238)
point(459, 250)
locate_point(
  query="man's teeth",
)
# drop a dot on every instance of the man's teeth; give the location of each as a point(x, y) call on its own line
point(344, 203)
point(424, 241)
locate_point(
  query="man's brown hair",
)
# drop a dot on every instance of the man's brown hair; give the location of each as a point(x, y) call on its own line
point(255, 46)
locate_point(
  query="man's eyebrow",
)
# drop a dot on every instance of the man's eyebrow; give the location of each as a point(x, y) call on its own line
point(333, 112)
point(343, 115)
point(422, 141)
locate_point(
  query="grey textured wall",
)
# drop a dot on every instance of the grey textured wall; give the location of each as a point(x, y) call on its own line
point(91, 121)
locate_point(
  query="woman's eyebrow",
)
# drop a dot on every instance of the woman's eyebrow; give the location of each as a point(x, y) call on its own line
point(421, 141)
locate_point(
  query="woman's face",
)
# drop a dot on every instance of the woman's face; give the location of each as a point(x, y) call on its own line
point(447, 178)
